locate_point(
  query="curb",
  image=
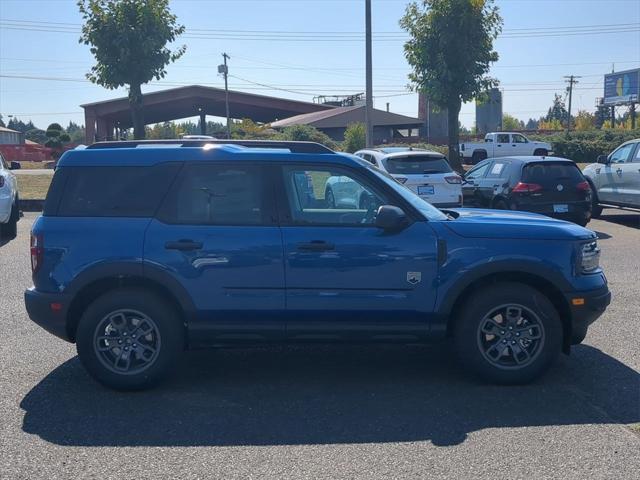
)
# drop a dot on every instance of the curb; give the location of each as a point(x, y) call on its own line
point(31, 205)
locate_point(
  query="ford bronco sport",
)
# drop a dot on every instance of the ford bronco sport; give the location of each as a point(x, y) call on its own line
point(141, 253)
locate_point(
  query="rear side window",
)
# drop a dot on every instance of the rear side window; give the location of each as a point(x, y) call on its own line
point(416, 164)
point(549, 173)
point(214, 194)
point(116, 191)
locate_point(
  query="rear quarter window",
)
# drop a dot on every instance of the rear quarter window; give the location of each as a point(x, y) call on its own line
point(416, 164)
point(548, 173)
point(115, 191)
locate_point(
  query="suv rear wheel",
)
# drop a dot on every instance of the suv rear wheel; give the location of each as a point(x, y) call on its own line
point(508, 333)
point(128, 339)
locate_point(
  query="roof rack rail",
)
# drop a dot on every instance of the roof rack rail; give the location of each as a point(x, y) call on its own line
point(294, 147)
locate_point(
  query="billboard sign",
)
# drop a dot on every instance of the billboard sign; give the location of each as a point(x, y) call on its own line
point(622, 87)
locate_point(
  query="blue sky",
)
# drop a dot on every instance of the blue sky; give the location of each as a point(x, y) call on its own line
point(531, 67)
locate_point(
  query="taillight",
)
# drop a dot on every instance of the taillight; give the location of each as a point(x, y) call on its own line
point(453, 179)
point(527, 187)
point(401, 179)
point(36, 252)
point(584, 187)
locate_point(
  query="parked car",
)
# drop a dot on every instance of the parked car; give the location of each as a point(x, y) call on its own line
point(615, 179)
point(213, 244)
point(9, 204)
point(549, 186)
point(426, 173)
point(502, 144)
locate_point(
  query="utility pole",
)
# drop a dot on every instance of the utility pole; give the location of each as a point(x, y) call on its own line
point(571, 80)
point(368, 111)
point(224, 69)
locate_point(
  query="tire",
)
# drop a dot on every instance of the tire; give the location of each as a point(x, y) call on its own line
point(329, 199)
point(155, 352)
point(541, 152)
point(583, 222)
point(481, 354)
point(477, 157)
point(596, 209)
point(10, 229)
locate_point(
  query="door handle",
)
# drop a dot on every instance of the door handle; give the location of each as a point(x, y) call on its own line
point(183, 245)
point(316, 246)
point(619, 171)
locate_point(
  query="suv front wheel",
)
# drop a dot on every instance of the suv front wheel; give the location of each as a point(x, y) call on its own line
point(508, 333)
point(128, 339)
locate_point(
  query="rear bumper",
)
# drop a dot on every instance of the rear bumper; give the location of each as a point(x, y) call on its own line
point(40, 310)
point(577, 210)
point(595, 303)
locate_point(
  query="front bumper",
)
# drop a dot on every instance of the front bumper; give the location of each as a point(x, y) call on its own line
point(586, 307)
point(48, 310)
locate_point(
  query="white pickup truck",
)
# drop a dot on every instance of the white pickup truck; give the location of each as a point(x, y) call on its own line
point(502, 144)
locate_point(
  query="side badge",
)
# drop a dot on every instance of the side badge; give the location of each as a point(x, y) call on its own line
point(414, 277)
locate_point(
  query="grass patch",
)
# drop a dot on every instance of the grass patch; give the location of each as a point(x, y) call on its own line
point(635, 427)
point(27, 165)
point(33, 187)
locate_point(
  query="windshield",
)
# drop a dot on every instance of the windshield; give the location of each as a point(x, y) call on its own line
point(428, 210)
point(416, 164)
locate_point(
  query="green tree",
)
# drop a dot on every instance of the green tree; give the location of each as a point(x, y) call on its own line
point(306, 133)
point(450, 52)
point(585, 121)
point(1, 122)
point(128, 39)
point(354, 137)
point(36, 135)
point(509, 122)
point(57, 138)
point(558, 110)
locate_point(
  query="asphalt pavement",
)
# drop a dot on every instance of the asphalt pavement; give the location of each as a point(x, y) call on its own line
point(325, 412)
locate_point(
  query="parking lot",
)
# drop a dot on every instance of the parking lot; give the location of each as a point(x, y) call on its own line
point(326, 412)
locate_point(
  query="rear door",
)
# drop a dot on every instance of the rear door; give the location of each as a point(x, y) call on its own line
point(520, 145)
point(611, 178)
point(632, 178)
point(346, 278)
point(495, 181)
point(502, 146)
point(217, 235)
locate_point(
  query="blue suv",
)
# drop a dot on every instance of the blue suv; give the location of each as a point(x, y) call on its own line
point(143, 252)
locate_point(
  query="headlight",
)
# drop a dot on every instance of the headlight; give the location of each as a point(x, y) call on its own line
point(589, 257)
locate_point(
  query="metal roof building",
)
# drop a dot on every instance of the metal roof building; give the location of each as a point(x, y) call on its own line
point(334, 122)
point(102, 118)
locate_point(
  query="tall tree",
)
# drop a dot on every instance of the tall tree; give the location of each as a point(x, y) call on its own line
point(450, 52)
point(128, 39)
point(558, 110)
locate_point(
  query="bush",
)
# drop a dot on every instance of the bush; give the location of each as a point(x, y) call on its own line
point(306, 133)
point(354, 138)
point(584, 147)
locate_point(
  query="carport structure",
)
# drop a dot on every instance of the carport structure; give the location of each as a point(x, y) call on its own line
point(103, 118)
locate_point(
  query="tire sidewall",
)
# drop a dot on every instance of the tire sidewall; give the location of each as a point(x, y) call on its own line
point(487, 299)
point(164, 316)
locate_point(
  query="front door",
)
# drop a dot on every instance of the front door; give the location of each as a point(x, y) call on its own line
point(217, 235)
point(346, 278)
point(611, 178)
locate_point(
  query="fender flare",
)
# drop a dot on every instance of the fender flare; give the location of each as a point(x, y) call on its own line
point(446, 303)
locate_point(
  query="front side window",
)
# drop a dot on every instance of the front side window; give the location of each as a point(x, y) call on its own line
point(517, 138)
point(478, 171)
point(621, 154)
point(330, 196)
point(210, 194)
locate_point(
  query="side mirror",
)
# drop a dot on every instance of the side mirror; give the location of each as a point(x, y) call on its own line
point(603, 159)
point(14, 165)
point(390, 218)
